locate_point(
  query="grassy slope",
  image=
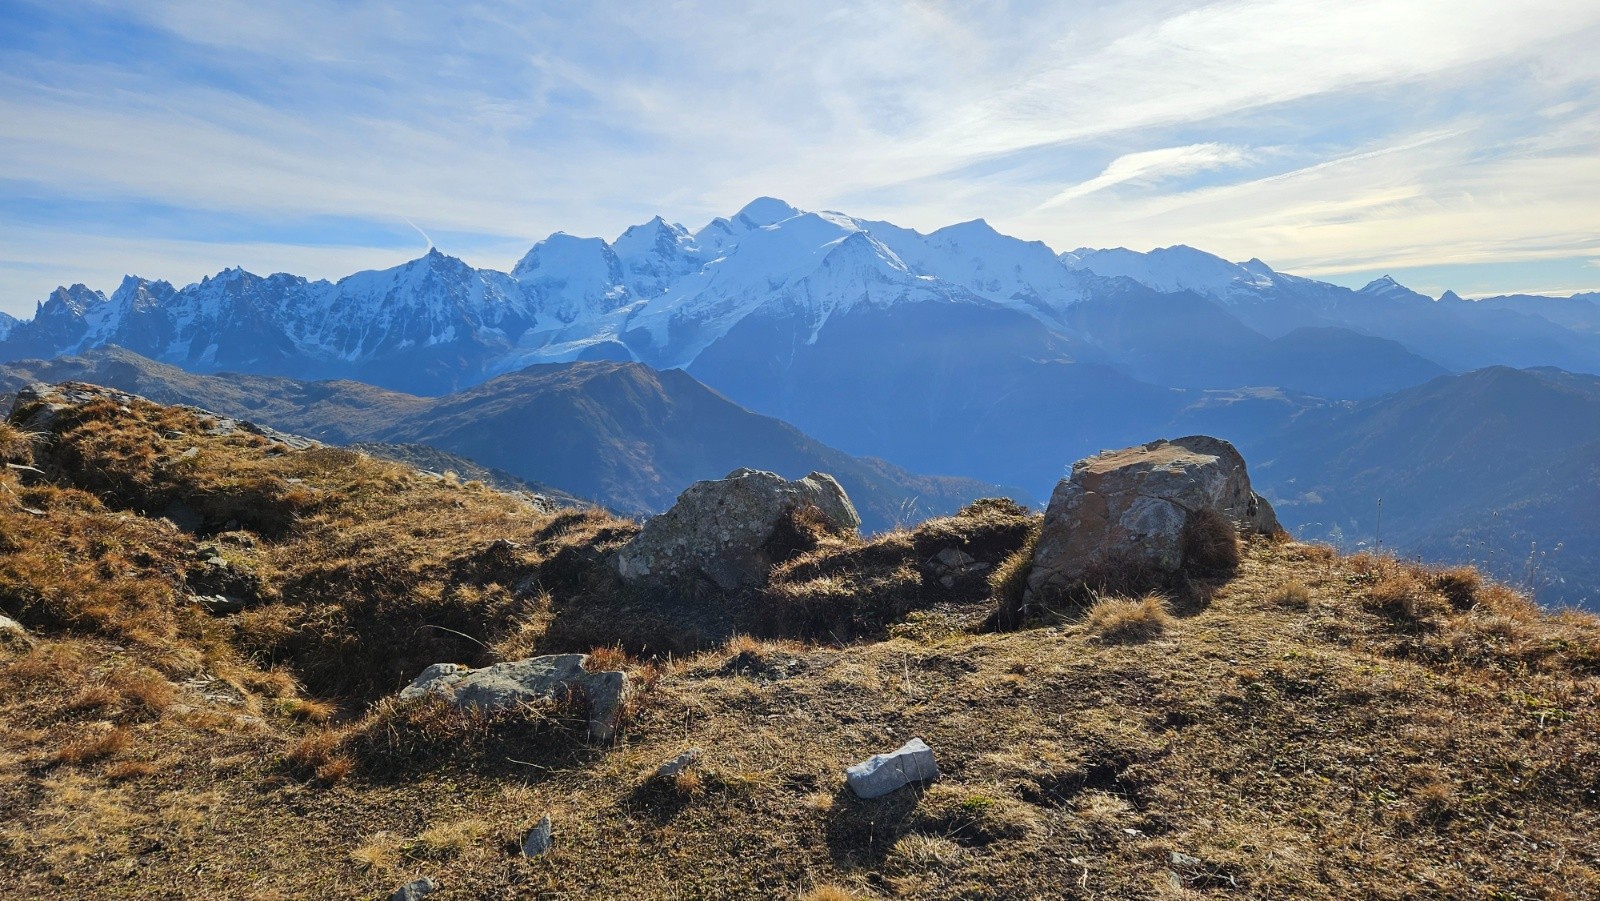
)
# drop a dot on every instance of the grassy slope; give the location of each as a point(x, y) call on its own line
point(1318, 727)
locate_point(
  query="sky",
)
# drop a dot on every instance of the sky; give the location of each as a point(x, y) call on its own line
point(1451, 144)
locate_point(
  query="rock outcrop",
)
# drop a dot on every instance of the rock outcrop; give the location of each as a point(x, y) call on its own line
point(506, 685)
point(1136, 511)
point(726, 530)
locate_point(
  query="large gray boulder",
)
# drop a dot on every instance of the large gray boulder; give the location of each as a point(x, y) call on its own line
point(723, 529)
point(1126, 511)
point(504, 686)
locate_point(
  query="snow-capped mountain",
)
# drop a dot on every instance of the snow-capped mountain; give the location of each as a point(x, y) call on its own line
point(775, 282)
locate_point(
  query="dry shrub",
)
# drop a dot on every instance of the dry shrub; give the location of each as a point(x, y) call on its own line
point(847, 590)
point(803, 529)
point(397, 739)
point(1503, 600)
point(1323, 554)
point(1129, 621)
point(143, 694)
point(1210, 543)
point(688, 782)
point(16, 446)
point(93, 697)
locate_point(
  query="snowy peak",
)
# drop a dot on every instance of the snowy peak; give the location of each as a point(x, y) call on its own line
point(764, 211)
point(572, 279)
point(1173, 269)
point(655, 254)
point(138, 293)
point(1389, 289)
point(70, 302)
point(662, 294)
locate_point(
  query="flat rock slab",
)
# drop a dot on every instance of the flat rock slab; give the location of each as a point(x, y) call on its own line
point(508, 685)
point(881, 774)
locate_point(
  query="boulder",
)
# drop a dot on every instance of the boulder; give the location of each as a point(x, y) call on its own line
point(725, 530)
point(12, 636)
point(507, 685)
point(1127, 511)
point(881, 774)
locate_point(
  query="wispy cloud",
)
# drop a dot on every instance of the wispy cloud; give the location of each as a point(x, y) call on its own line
point(1134, 122)
point(1150, 166)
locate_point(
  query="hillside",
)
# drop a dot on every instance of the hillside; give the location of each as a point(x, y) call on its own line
point(617, 434)
point(1495, 467)
point(1309, 725)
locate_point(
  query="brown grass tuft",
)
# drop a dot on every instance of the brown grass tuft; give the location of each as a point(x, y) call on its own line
point(1459, 585)
point(93, 747)
point(830, 893)
point(1295, 595)
point(1129, 621)
point(451, 838)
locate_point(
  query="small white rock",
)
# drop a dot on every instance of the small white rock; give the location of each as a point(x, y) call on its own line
point(538, 840)
point(881, 774)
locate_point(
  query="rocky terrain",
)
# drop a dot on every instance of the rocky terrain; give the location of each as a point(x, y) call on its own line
point(238, 664)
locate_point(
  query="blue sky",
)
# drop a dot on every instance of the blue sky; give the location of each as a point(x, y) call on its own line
point(1450, 144)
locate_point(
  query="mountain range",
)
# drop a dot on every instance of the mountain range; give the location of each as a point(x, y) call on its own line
point(960, 351)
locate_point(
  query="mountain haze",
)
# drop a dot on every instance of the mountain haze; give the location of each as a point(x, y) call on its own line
point(620, 434)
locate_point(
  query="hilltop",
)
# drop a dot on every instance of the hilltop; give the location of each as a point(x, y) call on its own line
point(621, 435)
point(204, 704)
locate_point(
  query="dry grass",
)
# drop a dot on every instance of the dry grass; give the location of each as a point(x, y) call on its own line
point(830, 893)
point(97, 745)
point(450, 838)
point(1327, 727)
point(1210, 543)
point(1129, 620)
point(1295, 595)
point(379, 852)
